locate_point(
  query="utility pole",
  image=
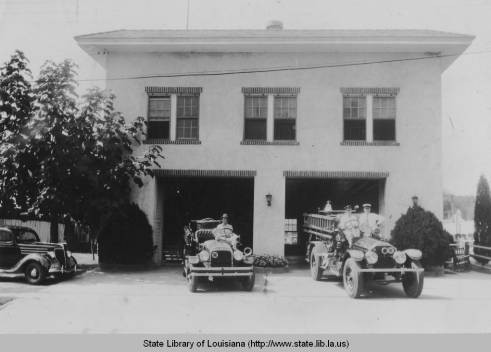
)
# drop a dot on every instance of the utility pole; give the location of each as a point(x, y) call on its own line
point(187, 15)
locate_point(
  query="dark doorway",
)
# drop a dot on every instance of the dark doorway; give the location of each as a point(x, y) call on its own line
point(193, 198)
point(308, 195)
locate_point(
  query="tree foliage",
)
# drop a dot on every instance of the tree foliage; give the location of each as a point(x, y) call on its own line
point(482, 219)
point(125, 236)
point(16, 107)
point(64, 158)
point(422, 230)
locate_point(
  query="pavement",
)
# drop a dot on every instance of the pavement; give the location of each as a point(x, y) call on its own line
point(158, 301)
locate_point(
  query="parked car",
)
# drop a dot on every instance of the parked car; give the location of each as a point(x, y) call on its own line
point(206, 258)
point(367, 260)
point(23, 254)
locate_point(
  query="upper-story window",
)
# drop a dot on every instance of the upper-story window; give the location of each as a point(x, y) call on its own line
point(270, 115)
point(369, 114)
point(256, 114)
point(173, 114)
point(187, 117)
point(384, 118)
point(354, 117)
point(285, 116)
point(159, 112)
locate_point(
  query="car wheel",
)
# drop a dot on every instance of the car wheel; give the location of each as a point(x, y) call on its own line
point(192, 282)
point(315, 267)
point(352, 278)
point(248, 282)
point(35, 273)
point(413, 282)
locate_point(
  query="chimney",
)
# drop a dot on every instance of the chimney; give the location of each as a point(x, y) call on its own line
point(274, 25)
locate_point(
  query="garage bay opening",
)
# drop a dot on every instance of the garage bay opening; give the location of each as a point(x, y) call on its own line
point(308, 195)
point(193, 198)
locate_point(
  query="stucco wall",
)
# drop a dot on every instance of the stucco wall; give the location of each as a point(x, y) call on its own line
point(414, 166)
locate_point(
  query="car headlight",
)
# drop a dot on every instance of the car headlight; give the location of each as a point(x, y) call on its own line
point(399, 257)
point(371, 257)
point(238, 256)
point(414, 254)
point(204, 256)
point(68, 253)
point(51, 254)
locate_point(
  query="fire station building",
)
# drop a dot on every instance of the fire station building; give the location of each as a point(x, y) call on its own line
point(266, 125)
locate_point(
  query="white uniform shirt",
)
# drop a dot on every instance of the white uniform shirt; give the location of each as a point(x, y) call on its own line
point(369, 222)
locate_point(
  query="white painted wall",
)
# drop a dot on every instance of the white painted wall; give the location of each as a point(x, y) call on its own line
point(414, 166)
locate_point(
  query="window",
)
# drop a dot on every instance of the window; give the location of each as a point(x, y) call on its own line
point(384, 118)
point(285, 115)
point(256, 114)
point(27, 237)
point(6, 236)
point(187, 117)
point(354, 116)
point(159, 117)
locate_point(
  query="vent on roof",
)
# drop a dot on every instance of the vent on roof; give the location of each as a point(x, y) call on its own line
point(274, 25)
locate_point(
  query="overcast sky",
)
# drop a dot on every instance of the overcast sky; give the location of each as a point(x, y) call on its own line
point(44, 29)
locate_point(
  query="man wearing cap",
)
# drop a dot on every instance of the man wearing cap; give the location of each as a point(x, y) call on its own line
point(348, 223)
point(225, 232)
point(370, 223)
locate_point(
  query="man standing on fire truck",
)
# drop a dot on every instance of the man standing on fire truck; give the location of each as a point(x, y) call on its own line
point(348, 223)
point(370, 223)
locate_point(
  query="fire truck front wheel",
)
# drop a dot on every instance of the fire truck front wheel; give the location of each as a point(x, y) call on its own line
point(315, 266)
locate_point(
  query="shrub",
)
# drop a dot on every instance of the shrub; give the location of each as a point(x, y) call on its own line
point(271, 261)
point(482, 220)
point(126, 237)
point(421, 229)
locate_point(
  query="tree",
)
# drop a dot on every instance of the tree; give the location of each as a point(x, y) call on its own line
point(16, 107)
point(126, 236)
point(78, 160)
point(482, 219)
point(422, 230)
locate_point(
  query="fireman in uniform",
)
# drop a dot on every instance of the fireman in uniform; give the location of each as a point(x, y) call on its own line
point(348, 223)
point(225, 232)
point(370, 223)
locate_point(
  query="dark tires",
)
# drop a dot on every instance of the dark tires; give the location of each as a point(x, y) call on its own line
point(248, 283)
point(35, 273)
point(315, 266)
point(352, 279)
point(413, 282)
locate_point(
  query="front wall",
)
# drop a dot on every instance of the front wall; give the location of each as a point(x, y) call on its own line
point(414, 167)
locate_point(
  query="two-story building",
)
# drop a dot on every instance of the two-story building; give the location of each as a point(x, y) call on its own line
point(267, 124)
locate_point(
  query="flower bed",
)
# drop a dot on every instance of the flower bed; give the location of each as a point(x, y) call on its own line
point(270, 261)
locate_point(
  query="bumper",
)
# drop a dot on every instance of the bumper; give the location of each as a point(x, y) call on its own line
point(56, 268)
point(222, 271)
point(391, 270)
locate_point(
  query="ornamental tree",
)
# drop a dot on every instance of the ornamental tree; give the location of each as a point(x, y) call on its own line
point(482, 220)
point(16, 106)
point(421, 229)
point(77, 159)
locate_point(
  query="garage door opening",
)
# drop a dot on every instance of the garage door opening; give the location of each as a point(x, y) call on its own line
point(192, 198)
point(304, 195)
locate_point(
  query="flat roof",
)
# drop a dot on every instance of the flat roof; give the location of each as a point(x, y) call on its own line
point(276, 40)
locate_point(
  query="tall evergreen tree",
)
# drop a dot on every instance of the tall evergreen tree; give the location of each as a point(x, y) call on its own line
point(482, 219)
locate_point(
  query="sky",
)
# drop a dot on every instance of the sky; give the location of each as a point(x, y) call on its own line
point(44, 29)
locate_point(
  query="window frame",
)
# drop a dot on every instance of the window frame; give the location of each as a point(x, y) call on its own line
point(350, 118)
point(187, 118)
point(149, 120)
point(264, 119)
point(394, 118)
point(294, 97)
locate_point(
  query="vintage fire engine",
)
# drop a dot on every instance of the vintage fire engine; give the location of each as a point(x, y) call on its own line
point(367, 259)
point(206, 258)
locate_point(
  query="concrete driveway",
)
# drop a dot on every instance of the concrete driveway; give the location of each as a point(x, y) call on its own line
point(158, 301)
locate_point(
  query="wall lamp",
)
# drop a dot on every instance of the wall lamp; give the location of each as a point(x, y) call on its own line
point(269, 198)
